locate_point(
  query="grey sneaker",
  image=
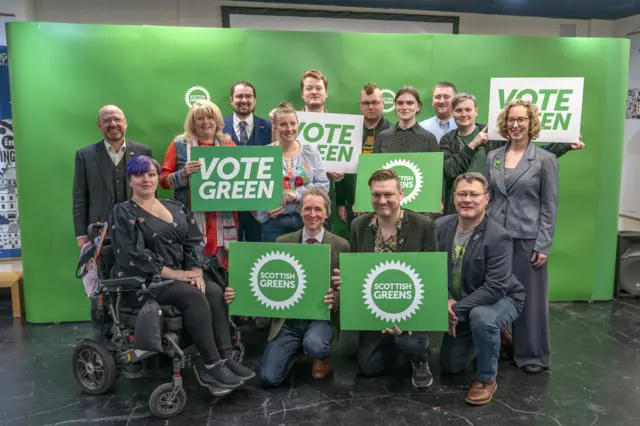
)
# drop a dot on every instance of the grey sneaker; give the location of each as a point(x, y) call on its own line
point(219, 375)
point(422, 377)
point(240, 370)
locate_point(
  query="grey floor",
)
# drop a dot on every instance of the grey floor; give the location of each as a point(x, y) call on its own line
point(595, 380)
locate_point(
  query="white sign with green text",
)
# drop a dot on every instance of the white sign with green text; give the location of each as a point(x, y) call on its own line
point(559, 101)
point(337, 136)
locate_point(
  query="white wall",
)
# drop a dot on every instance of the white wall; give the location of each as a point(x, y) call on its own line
point(626, 25)
point(206, 13)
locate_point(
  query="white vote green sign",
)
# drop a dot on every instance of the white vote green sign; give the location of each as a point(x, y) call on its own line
point(559, 101)
point(236, 178)
point(276, 280)
point(380, 290)
point(337, 136)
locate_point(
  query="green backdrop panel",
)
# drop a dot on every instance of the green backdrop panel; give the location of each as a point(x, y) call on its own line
point(61, 74)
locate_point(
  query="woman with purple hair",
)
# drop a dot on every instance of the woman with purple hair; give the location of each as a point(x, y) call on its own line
point(160, 237)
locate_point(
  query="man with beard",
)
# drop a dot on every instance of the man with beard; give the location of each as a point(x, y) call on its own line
point(246, 129)
point(100, 177)
point(484, 295)
point(371, 106)
point(100, 182)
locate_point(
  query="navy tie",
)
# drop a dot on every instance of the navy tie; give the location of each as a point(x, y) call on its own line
point(244, 138)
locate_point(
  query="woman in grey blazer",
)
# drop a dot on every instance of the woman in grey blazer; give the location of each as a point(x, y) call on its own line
point(523, 188)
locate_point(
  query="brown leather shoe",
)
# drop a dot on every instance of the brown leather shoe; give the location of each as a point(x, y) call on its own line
point(481, 392)
point(321, 368)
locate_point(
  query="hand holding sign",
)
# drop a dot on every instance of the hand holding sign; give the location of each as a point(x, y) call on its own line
point(191, 167)
point(229, 295)
point(578, 145)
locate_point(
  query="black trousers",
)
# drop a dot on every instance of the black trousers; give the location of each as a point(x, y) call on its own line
point(204, 316)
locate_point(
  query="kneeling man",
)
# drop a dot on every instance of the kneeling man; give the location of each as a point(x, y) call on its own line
point(392, 229)
point(484, 295)
point(315, 337)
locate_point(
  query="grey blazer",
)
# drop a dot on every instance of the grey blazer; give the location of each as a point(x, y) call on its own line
point(93, 196)
point(527, 206)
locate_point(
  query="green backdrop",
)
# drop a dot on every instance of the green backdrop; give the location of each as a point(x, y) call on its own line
point(61, 74)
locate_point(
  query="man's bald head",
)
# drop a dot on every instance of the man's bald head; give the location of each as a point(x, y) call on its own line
point(112, 123)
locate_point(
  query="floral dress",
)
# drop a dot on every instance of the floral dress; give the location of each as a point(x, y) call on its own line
point(143, 243)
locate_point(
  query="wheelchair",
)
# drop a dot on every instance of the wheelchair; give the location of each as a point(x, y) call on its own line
point(99, 361)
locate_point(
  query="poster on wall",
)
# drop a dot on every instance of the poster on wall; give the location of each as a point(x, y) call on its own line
point(629, 195)
point(9, 222)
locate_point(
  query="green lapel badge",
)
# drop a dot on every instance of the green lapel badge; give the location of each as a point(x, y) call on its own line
point(496, 165)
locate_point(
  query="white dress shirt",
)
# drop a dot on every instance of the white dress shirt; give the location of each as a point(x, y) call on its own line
point(236, 125)
point(318, 238)
point(116, 157)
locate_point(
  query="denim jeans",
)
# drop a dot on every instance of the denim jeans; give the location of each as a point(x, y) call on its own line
point(376, 351)
point(315, 337)
point(273, 228)
point(479, 338)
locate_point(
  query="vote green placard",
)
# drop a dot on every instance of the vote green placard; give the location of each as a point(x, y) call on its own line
point(420, 178)
point(380, 290)
point(236, 178)
point(276, 280)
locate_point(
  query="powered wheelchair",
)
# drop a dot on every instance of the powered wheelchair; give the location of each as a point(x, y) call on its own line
point(98, 362)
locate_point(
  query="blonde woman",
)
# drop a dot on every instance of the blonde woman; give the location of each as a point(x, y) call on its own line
point(203, 127)
point(302, 167)
point(523, 188)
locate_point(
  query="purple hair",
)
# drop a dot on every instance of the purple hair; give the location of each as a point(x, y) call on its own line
point(141, 164)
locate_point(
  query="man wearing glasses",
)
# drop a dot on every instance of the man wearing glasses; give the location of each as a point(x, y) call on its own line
point(484, 295)
point(100, 176)
point(371, 106)
point(246, 129)
point(100, 182)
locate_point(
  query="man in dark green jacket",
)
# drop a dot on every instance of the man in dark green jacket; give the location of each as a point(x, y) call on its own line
point(466, 148)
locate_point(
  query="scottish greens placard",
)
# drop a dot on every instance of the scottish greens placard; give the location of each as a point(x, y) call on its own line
point(276, 280)
point(380, 290)
point(420, 179)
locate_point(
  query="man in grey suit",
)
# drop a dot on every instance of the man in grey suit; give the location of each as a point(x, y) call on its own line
point(315, 337)
point(100, 176)
point(391, 229)
point(484, 295)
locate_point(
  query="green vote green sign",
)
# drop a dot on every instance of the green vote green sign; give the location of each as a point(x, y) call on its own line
point(276, 280)
point(380, 290)
point(236, 178)
point(420, 178)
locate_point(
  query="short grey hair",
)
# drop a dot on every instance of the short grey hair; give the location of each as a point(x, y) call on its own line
point(320, 192)
point(470, 178)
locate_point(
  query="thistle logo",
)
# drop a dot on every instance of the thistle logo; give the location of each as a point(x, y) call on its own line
point(278, 280)
point(196, 93)
point(410, 178)
point(388, 97)
point(393, 291)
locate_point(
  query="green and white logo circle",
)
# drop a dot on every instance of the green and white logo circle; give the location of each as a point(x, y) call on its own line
point(196, 93)
point(278, 280)
point(393, 291)
point(388, 97)
point(410, 178)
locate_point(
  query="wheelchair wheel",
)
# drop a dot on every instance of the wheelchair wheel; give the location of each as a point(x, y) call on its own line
point(94, 367)
point(166, 402)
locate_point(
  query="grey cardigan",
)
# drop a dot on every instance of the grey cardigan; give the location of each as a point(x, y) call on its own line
point(526, 206)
